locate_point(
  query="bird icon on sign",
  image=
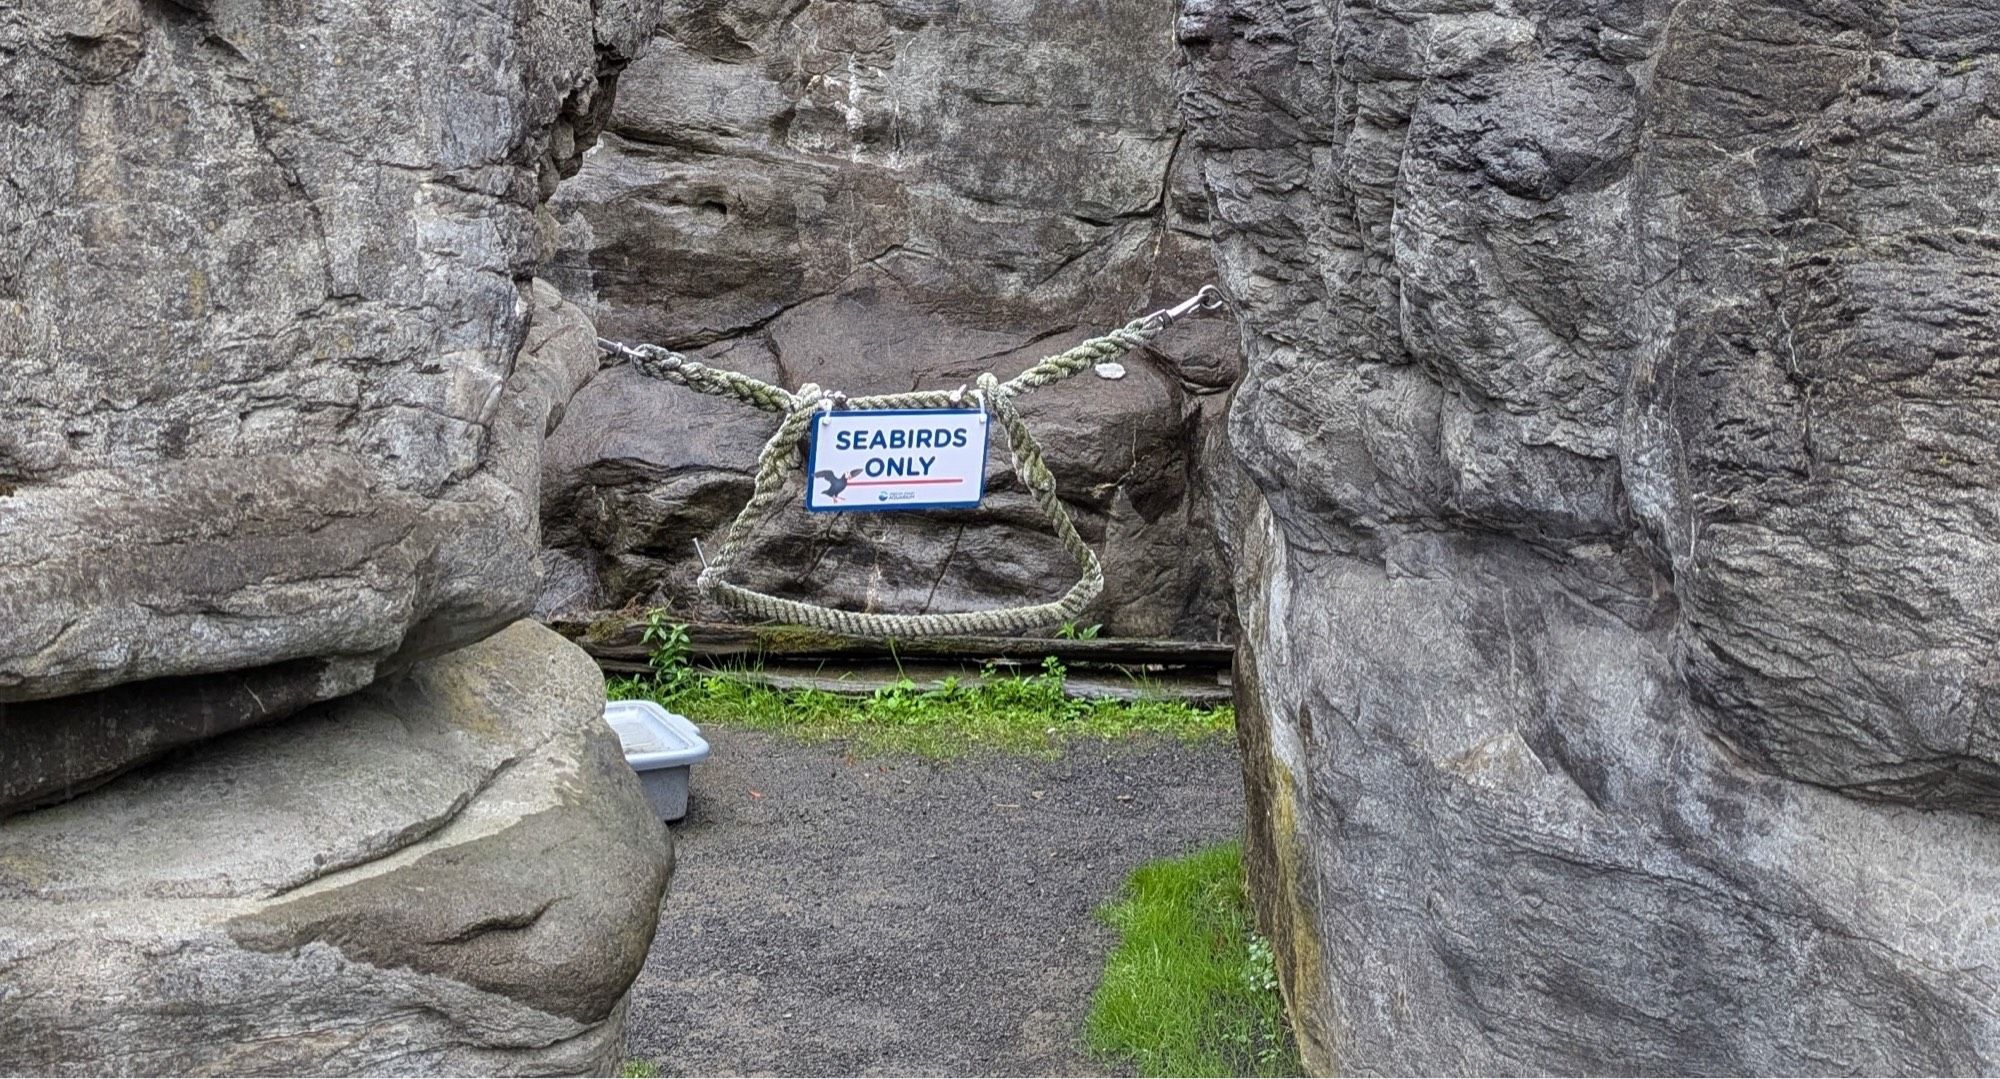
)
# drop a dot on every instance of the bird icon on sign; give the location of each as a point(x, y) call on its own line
point(835, 482)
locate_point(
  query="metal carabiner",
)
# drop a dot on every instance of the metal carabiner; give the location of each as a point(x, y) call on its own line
point(654, 355)
point(1208, 299)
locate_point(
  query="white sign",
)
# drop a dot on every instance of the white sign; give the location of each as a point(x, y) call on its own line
point(897, 459)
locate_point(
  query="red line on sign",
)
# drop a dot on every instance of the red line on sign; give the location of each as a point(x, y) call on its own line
point(894, 483)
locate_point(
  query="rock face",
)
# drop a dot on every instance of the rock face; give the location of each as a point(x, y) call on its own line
point(1616, 594)
point(880, 197)
point(452, 872)
point(274, 382)
point(264, 408)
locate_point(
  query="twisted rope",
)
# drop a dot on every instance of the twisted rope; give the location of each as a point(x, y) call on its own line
point(781, 458)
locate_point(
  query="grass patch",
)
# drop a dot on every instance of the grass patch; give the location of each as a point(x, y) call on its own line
point(1190, 989)
point(1005, 711)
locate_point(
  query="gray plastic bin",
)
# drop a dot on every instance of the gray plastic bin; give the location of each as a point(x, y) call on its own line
point(661, 747)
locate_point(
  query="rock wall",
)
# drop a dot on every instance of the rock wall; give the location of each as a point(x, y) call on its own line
point(452, 872)
point(880, 197)
point(274, 382)
point(264, 408)
point(1616, 595)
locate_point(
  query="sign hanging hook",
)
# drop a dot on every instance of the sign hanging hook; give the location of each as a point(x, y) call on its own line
point(1208, 299)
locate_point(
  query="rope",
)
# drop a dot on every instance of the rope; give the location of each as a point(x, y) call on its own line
point(780, 458)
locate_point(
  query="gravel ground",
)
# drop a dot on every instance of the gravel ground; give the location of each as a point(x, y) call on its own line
point(891, 916)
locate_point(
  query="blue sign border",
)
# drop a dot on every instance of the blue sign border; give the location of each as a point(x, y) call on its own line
point(985, 449)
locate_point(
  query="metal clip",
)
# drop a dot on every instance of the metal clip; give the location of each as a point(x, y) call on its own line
point(644, 355)
point(1208, 299)
point(611, 352)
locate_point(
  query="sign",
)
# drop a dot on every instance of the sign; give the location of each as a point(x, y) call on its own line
point(897, 459)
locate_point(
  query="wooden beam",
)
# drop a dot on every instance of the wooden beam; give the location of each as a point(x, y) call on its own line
point(1199, 688)
point(615, 637)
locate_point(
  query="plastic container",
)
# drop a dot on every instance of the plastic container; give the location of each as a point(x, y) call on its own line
point(661, 747)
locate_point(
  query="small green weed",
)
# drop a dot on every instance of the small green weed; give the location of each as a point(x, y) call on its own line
point(638, 1069)
point(1070, 631)
point(1190, 989)
point(1005, 711)
point(669, 656)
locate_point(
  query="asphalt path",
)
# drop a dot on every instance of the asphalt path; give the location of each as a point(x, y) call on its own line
point(834, 915)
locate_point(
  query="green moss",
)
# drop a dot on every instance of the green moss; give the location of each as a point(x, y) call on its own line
point(1190, 989)
point(638, 1069)
point(1293, 932)
point(606, 628)
point(784, 639)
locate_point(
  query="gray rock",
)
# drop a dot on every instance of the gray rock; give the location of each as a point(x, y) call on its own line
point(57, 747)
point(1615, 582)
point(452, 872)
point(264, 405)
point(884, 197)
point(237, 313)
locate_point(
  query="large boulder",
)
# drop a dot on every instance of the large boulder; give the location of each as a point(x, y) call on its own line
point(267, 430)
point(452, 872)
point(1616, 587)
point(880, 197)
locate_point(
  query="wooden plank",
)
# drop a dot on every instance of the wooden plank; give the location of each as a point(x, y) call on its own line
point(1204, 689)
point(616, 637)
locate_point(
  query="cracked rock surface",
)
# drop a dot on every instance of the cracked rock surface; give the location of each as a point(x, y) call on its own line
point(1616, 572)
point(267, 428)
point(452, 872)
point(878, 197)
point(285, 787)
